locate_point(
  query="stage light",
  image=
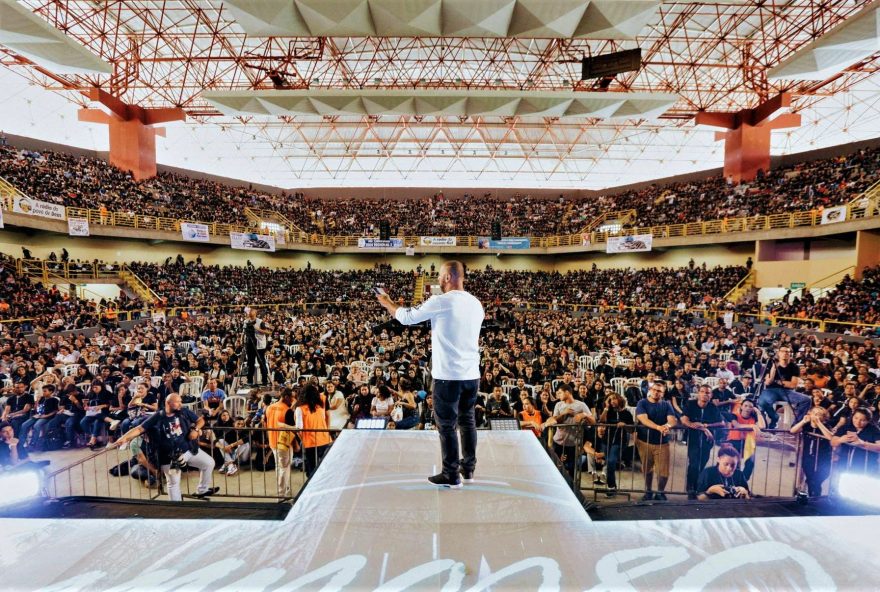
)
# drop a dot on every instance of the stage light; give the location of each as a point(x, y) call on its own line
point(860, 488)
point(18, 486)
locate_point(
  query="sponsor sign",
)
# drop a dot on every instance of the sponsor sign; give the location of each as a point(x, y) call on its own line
point(35, 207)
point(438, 241)
point(197, 233)
point(410, 251)
point(629, 244)
point(834, 215)
point(375, 243)
point(77, 227)
point(586, 239)
point(506, 243)
point(251, 241)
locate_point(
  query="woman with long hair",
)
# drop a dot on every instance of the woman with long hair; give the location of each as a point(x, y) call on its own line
point(816, 449)
point(312, 416)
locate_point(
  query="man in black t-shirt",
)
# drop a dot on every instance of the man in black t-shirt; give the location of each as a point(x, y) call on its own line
point(174, 433)
point(699, 416)
point(38, 423)
point(18, 407)
point(724, 480)
point(780, 383)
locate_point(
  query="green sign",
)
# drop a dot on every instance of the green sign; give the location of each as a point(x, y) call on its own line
point(798, 285)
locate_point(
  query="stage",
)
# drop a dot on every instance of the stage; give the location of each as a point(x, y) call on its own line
point(368, 520)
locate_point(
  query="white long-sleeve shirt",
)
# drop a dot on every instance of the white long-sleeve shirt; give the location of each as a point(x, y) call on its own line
point(456, 318)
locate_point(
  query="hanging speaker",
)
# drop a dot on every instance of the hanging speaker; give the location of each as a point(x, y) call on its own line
point(496, 230)
point(384, 230)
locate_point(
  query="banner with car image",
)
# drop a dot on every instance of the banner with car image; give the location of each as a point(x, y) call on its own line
point(635, 243)
point(251, 241)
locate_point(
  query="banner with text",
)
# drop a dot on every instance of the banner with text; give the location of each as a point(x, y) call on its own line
point(35, 207)
point(438, 241)
point(586, 239)
point(78, 226)
point(251, 241)
point(629, 244)
point(508, 242)
point(376, 243)
point(835, 214)
point(194, 232)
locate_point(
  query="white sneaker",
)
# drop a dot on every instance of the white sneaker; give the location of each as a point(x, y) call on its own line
point(233, 469)
point(115, 424)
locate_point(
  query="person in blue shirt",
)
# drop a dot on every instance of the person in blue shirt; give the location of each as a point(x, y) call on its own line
point(656, 417)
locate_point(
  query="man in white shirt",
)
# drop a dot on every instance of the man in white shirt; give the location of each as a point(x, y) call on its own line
point(456, 318)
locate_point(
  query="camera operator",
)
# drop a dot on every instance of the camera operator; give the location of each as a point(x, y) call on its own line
point(255, 342)
point(779, 385)
point(176, 431)
point(724, 480)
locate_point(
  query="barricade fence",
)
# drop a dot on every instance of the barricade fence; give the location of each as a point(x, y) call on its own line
point(596, 458)
point(135, 471)
point(600, 457)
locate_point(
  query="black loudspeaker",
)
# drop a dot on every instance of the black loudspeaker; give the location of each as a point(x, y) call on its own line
point(384, 230)
point(496, 230)
point(602, 66)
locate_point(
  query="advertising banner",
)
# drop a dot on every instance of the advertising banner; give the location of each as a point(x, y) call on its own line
point(197, 233)
point(376, 243)
point(35, 207)
point(252, 241)
point(438, 241)
point(508, 242)
point(833, 215)
point(77, 227)
point(629, 244)
point(586, 239)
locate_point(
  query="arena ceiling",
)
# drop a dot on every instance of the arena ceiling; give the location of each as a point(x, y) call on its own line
point(514, 63)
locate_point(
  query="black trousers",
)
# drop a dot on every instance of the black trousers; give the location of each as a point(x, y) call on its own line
point(699, 449)
point(454, 402)
point(258, 355)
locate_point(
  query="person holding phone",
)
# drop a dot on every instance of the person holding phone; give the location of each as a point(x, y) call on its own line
point(456, 318)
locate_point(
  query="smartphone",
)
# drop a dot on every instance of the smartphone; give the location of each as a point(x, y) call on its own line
point(379, 291)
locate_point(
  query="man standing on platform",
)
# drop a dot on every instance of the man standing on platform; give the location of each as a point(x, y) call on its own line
point(456, 317)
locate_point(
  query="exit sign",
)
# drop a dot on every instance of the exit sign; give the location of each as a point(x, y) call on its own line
point(798, 285)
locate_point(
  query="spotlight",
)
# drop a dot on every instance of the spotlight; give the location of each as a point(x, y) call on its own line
point(19, 485)
point(861, 489)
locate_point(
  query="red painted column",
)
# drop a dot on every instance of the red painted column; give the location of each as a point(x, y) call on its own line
point(747, 141)
point(132, 132)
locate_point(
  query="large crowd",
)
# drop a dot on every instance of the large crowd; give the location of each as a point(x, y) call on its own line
point(73, 390)
point(92, 183)
point(192, 284)
point(851, 301)
point(691, 287)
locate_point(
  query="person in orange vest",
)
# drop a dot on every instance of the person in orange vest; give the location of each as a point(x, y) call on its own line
point(312, 414)
point(278, 416)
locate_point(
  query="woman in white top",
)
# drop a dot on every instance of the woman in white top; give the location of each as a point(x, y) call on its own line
point(383, 402)
point(338, 408)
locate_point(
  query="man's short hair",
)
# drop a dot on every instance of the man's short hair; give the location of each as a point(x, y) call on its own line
point(564, 387)
point(455, 269)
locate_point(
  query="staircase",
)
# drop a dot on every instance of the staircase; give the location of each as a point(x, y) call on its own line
point(138, 286)
point(622, 217)
point(744, 288)
point(8, 191)
point(419, 290)
point(259, 216)
point(865, 204)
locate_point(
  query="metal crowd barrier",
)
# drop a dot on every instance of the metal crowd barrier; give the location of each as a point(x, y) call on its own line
point(773, 467)
point(256, 476)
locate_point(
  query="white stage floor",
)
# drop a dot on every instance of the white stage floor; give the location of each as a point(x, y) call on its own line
point(369, 520)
